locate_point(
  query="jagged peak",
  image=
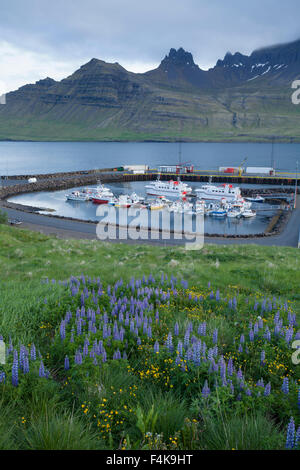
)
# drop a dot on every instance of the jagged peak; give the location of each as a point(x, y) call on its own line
point(179, 57)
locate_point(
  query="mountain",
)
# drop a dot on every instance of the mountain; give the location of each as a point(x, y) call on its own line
point(241, 98)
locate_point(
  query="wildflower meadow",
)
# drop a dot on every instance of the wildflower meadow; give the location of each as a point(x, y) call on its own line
point(151, 362)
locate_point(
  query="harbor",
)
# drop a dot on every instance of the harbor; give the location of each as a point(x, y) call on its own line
point(251, 218)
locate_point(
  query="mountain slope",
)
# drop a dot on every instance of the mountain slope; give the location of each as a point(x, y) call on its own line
point(241, 98)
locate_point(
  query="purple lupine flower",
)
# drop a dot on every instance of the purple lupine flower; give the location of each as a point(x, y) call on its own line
point(267, 390)
point(180, 348)
point(242, 339)
point(297, 438)
point(251, 335)
point(186, 341)
point(156, 347)
point(267, 334)
point(62, 330)
point(25, 365)
point(218, 295)
point(176, 329)
point(15, 372)
point(2, 377)
point(33, 352)
point(299, 398)
point(285, 386)
point(289, 334)
point(169, 342)
point(230, 367)
point(78, 358)
point(104, 356)
point(67, 363)
point(290, 435)
point(260, 383)
point(262, 357)
point(215, 336)
point(42, 370)
point(205, 390)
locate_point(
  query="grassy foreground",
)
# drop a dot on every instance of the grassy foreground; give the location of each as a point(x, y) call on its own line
point(123, 355)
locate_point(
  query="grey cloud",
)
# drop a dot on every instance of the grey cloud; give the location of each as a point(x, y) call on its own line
point(144, 31)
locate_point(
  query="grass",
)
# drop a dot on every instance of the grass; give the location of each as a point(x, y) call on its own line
point(145, 400)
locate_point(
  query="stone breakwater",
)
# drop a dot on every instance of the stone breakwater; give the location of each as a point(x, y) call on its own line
point(55, 183)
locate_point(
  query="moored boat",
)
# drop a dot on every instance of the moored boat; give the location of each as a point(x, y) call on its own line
point(77, 196)
point(211, 192)
point(168, 188)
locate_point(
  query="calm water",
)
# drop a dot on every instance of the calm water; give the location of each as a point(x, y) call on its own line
point(48, 157)
point(87, 210)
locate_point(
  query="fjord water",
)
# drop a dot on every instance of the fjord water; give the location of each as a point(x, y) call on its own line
point(50, 157)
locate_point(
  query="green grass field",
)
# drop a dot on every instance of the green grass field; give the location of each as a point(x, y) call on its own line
point(149, 399)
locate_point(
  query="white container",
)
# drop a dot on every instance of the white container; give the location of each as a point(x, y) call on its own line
point(32, 180)
point(259, 170)
point(136, 167)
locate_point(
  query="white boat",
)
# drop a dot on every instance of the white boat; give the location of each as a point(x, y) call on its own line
point(240, 203)
point(234, 213)
point(156, 205)
point(218, 213)
point(247, 213)
point(168, 188)
point(255, 199)
point(185, 207)
point(98, 192)
point(174, 207)
point(199, 207)
point(136, 199)
point(77, 196)
point(211, 192)
point(123, 201)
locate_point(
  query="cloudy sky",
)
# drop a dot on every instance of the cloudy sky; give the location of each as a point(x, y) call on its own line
point(40, 38)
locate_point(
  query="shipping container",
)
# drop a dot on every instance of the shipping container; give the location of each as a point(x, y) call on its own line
point(136, 167)
point(259, 170)
point(226, 169)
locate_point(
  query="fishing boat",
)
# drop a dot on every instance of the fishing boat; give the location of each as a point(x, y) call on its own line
point(233, 213)
point(211, 192)
point(123, 201)
point(198, 209)
point(100, 190)
point(168, 188)
point(174, 207)
point(102, 199)
point(77, 196)
point(185, 207)
point(257, 199)
point(135, 199)
point(247, 213)
point(156, 205)
point(218, 213)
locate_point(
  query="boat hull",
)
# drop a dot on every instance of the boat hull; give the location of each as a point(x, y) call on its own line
point(100, 201)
